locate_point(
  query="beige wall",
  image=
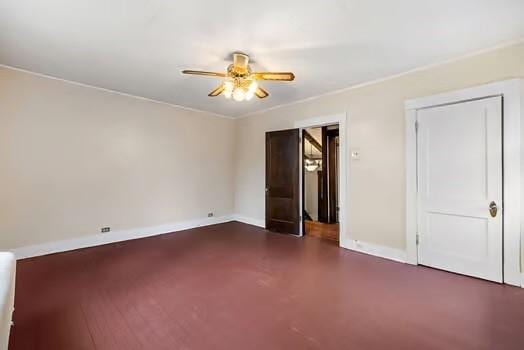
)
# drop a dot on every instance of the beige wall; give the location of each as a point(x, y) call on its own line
point(376, 181)
point(74, 159)
point(311, 193)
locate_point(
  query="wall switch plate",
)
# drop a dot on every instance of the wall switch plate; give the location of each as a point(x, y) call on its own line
point(105, 229)
point(209, 215)
point(355, 154)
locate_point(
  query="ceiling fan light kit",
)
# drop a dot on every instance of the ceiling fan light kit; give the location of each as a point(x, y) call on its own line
point(240, 89)
point(240, 83)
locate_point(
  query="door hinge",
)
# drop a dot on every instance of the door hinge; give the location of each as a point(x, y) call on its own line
point(416, 125)
point(418, 239)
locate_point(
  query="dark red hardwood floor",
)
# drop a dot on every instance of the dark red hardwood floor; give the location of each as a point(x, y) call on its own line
point(234, 286)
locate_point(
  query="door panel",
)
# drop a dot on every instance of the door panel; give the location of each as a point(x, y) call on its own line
point(323, 200)
point(332, 151)
point(282, 181)
point(459, 173)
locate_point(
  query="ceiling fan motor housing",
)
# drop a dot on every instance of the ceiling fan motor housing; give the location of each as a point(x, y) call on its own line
point(240, 67)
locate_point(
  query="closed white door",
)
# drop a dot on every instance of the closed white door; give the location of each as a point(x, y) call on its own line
point(459, 160)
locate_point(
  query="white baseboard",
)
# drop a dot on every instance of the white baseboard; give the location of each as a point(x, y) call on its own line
point(112, 237)
point(249, 221)
point(362, 247)
point(375, 250)
point(522, 281)
point(124, 235)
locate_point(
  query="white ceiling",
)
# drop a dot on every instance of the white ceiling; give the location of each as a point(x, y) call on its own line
point(140, 46)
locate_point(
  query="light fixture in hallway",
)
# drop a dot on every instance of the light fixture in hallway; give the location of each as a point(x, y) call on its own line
point(311, 164)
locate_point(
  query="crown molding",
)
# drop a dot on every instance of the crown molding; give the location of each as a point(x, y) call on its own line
point(389, 77)
point(115, 92)
point(307, 99)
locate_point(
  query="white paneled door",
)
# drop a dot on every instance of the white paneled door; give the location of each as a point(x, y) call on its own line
point(459, 161)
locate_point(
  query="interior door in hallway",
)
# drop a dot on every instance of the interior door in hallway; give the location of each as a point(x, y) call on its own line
point(282, 181)
point(459, 156)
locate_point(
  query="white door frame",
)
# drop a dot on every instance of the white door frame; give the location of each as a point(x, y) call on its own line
point(513, 104)
point(342, 121)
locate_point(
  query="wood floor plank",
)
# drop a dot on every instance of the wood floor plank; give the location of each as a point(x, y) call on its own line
point(322, 230)
point(236, 286)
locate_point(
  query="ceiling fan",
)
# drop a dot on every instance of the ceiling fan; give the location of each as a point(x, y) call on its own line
point(240, 82)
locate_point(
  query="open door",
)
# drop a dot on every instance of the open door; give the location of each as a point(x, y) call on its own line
point(323, 198)
point(332, 178)
point(282, 181)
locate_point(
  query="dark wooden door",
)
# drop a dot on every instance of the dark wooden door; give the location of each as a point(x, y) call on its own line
point(323, 195)
point(282, 174)
point(332, 150)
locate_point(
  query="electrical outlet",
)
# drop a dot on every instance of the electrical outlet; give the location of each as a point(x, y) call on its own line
point(209, 215)
point(105, 229)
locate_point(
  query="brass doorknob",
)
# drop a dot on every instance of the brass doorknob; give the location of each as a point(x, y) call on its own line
point(493, 209)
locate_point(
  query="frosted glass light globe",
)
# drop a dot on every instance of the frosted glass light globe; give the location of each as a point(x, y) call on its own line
point(253, 86)
point(239, 95)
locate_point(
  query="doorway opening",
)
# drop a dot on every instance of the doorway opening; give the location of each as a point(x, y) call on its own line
point(285, 164)
point(320, 173)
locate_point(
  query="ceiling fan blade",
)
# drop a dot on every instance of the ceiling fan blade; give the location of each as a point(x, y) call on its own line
point(261, 93)
point(220, 88)
point(282, 76)
point(207, 74)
